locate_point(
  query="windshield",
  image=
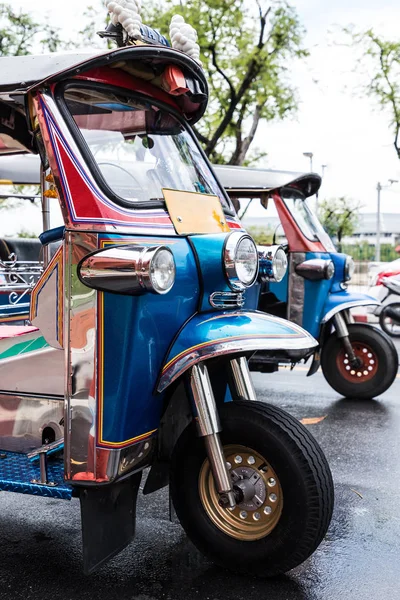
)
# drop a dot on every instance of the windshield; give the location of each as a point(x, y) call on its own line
point(305, 218)
point(139, 148)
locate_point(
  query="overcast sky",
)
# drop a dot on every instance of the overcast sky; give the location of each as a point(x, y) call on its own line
point(343, 130)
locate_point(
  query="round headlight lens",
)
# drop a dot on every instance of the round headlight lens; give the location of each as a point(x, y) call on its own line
point(162, 271)
point(246, 261)
point(279, 264)
point(349, 268)
point(241, 260)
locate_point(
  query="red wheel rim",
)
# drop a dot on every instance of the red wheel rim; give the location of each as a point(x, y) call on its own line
point(368, 365)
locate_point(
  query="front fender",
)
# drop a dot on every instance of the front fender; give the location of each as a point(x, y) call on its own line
point(208, 335)
point(339, 301)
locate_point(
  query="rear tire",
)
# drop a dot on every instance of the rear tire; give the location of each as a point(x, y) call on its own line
point(378, 369)
point(282, 531)
point(385, 325)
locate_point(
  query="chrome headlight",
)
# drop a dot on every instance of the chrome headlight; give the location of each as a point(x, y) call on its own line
point(240, 260)
point(273, 263)
point(316, 268)
point(129, 269)
point(349, 268)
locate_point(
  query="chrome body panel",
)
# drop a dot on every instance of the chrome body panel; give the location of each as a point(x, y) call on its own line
point(23, 419)
point(39, 371)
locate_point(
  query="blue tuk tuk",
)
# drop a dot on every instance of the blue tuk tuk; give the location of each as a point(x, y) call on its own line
point(137, 350)
point(358, 359)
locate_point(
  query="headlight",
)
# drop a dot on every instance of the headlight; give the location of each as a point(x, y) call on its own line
point(129, 270)
point(349, 268)
point(240, 260)
point(273, 263)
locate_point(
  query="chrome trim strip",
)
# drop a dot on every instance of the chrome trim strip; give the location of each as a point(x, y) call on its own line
point(223, 300)
point(346, 305)
point(242, 346)
point(296, 289)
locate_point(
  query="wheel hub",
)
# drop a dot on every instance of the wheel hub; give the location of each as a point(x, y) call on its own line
point(258, 492)
point(252, 486)
point(363, 369)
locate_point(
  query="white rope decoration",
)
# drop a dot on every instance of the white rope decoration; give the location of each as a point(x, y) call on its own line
point(184, 37)
point(126, 12)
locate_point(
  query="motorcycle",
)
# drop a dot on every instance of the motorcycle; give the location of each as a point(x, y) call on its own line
point(389, 311)
point(358, 360)
point(138, 347)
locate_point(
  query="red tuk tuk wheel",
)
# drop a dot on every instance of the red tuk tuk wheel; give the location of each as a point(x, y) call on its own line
point(377, 358)
point(366, 368)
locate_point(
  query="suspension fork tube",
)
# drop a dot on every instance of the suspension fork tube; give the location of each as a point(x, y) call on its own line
point(208, 427)
point(343, 334)
point(242, 379)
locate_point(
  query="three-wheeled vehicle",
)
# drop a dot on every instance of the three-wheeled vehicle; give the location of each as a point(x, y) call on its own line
point(358, 360)
point(137, 351)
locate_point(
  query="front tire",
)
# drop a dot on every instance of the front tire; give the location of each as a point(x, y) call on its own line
point(287, 518)
point(377, 369)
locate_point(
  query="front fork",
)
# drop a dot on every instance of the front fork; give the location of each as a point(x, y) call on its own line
point(340, 323)
point(208, 423)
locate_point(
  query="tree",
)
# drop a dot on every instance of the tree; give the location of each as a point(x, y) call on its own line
point(19, 33)
point(381, 61)
point(339, 216)
point(246, 56)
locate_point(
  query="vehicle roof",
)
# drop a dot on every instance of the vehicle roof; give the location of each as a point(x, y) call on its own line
point(23, 74)
point(248, 181)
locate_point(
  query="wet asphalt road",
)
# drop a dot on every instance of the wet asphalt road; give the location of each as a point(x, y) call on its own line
point(40, 554)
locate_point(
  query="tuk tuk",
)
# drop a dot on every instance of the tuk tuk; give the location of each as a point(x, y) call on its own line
point(357, 359)
point(137, 350)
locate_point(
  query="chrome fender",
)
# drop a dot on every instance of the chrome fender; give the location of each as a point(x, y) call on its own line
point(208, 335)
point(339, 301)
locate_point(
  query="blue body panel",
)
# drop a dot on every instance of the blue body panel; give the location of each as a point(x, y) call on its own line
point(227, 332)
point(209, 249)
point(281, 288)
point(205, 328)
point(138, 331)
point(342, 297)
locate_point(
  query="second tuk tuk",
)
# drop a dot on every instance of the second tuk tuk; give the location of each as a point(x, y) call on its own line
point(138, 347)
point(358, 359)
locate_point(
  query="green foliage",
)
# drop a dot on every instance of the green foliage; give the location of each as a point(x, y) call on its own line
point(366, 252)
point(261, 235)
point(339, 216)
point(24, 233)
point(380, 62)
point(245, 53)
point(19, 33)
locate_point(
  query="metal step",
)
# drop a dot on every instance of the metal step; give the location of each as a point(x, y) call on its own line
point(20, 474)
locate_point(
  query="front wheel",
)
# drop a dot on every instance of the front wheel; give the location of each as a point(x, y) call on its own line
point(284, 484)
point(389, 319)
point(376, 368)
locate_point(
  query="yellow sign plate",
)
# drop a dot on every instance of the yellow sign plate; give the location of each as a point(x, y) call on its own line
point(192, 212)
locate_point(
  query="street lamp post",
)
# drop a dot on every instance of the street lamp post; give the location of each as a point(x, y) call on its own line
point(379, 188)
point(310, 156)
